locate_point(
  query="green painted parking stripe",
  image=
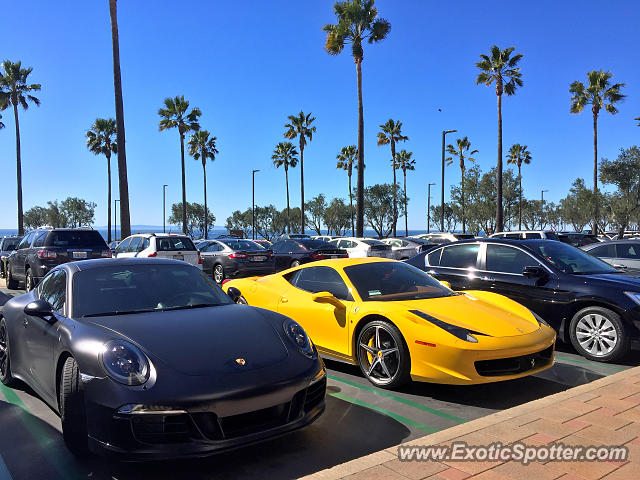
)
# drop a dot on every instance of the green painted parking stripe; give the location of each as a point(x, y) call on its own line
point(593, 364)
point(4, 471)
point(410, 403)
point(404, 420)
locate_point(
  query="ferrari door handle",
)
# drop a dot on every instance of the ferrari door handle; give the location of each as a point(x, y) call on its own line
point(284, 299)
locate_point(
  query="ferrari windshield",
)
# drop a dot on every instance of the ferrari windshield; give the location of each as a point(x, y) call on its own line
point(147, 287)
point(392, 281)
point(570, 259)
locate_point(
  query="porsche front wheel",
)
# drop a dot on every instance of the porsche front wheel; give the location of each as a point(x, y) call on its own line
point(5, 360)
point(382, 354)
point(72, 411)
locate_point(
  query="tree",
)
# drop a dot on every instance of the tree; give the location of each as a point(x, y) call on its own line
point(316, 207)
point(576, 207)
point(15, 91)
point(337, 216)
point(404, 162)
point(72, 212)
point(390, 134)
point(346, 158)
point(624, 173)
point(502, 69)
point(36, 217)
point(101, 141)
point(202, 147)
point(300, 126)
point(78, 212)
point(285, 154)
point(599, 93)
point(378, 208)
point(518, 155)
point(175, 115)
point(240, 221)
point(195, 218)
point(461, 150)
point(450, 217)
point(357, 21)
point(123, 182)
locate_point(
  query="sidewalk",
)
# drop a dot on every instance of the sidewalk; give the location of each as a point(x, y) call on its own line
point(603, 412)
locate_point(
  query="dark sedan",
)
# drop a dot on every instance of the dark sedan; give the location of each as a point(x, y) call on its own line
point(7, 245)
point(293, 252)
point(590, 303)
point(234, 258)
point(148, 358)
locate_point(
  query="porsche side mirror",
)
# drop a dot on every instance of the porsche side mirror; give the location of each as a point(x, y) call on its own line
point(40, 308)
point(320, 296)
point(534, 271)
point(234, 294)
point(446, 284)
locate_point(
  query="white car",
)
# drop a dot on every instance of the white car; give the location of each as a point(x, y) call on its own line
point(526, 235)
point(404, 248)
point(161, 245)
point(364, 247)
point(325, 238)
point(443, 237)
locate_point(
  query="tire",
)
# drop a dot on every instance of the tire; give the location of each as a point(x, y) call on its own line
point(5, 358)
point(598, 333)
point(28, 281)
point(72, 409)
point(218, 274)
point(12, 283)
point(295, 263)
point(385, 370)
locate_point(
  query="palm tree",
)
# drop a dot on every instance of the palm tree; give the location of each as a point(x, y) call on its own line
point(346, 159)
point(502, 69)
point(599, 93)
point(461, 150)
point(175, 115)
point(357, 21)
point(390, 134)
point(1, 124)
point(405, 162)
point(202, 147)
point(518, 154)
point(638, 120)
point(15, 91)
point(123, 182)
point(300, 126)
point(285, 154)
point(101, 141)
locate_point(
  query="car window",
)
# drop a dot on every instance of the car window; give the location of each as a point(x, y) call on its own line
point(9, 244)
point(278, 247)
point(135, 245)
point(39, 241)
point(531, 235)
point(505, 259)
point(628, 250)
point(513, 236)
point(54, 290)
point(295, 247)
point(570, 259)
point(460, 256)
point(170, 244)
point(212, 247)
point(123, 246)
point(320, 279)
point(25, 242)
point(552, 236)
point(433, 258)
point(608, 251)
point(76, 239)
point(241, 245)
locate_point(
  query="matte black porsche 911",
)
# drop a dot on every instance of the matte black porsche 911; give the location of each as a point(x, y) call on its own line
point(148, 358)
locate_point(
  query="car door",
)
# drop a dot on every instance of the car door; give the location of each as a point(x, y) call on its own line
point(458, 265)
point(281, 252)
point(22, 250)
point(324, 321)
point(628, 255)
point(209, 255)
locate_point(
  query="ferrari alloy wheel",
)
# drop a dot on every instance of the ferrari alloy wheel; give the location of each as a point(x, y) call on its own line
point(12, 283)
point(28, 281)
point(72, 410)
point(598, 334)
point(382, 354)
point(218, 274)
point(5, 364)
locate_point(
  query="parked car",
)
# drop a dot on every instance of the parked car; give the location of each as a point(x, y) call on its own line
point(7, 245)
point(619, 253)
point(235, 257)
point(404, 248)
point(444, 237)
point(590, 304)
point(326, 238)
point(526, 235)
point(386, 317)
point(149, 359)
point(161, 245)
point(263, 243)
point(363, 247)
point(114, 244)
point(294, 252)
point(43, 249)
point(287, 236)
point(576, 239)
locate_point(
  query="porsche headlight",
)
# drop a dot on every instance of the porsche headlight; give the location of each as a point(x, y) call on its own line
point(297, 335)
point(456, 331)
point(540, 320)
point(125, 363)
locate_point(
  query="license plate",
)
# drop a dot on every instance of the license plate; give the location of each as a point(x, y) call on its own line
point(179, 257)
point(258, 258)
point(79, 254)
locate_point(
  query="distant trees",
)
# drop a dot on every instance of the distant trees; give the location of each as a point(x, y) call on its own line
point(624, 173)
point(462, 150)
point(195, 225)
point(72, 212)
point(519, 155)
point(347, 157)
point(405, 162)
point(378, 207)
point(391, 133)
point(285, 155)
point(202, 146)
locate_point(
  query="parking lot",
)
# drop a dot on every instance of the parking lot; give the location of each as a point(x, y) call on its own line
point(359, 419)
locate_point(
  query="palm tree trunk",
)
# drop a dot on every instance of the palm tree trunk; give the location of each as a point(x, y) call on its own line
point(123, 182)
point(18, 171)
point(520, 198)
point(286, 176)
point(395, 202)
point(108, 197)
point(499, 219)
point(595, 173)
point(462, 196)
point(406, 222)
point(184, 188)
point(302, 222)
point(204, 173)
point(353, 230)
point(360, 184)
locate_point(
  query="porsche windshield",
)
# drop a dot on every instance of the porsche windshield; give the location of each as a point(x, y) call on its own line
point(570, 259)
point(392, 281)
point(147, 287)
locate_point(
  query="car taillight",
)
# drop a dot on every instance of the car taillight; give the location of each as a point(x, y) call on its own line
point(238, 255)
point(199, 258)
point(318, 256)
point(106, 254)
point(47, 254)
point(153, 254)
point(344, 255)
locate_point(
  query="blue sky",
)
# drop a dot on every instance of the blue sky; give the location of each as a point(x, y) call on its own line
point(247, 65)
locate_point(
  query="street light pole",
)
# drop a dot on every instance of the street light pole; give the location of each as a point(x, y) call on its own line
point(429, 205)
point(115, 219)
point(164, 203)
point(542, 207)
point(444, 132)
point(253, 204)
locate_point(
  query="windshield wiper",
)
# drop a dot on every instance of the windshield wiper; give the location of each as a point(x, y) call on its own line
point(119, 312)
point(184, 307)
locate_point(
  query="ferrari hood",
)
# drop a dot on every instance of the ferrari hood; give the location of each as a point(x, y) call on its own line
point(476, 314)
point(203, 341)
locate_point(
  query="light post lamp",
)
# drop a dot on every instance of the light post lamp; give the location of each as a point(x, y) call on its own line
point(164, 203)
point(542, 207)
point(115, 219)
point(253, 204)
point(444, 132)
point(429, 205)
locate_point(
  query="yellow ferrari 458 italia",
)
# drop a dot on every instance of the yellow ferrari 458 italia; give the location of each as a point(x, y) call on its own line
point(398, 323)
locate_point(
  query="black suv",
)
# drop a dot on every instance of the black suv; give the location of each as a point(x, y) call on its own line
point(41, 250)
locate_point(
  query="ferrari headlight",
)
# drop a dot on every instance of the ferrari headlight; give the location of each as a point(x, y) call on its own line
point(297, 335)
point(456, 331)
point(540, 320)
point(125, 363)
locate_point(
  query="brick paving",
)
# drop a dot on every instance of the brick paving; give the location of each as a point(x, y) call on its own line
point(603, 412)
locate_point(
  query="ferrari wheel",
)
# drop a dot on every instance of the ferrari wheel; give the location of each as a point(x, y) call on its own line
point(598, 334)
point(382, 355)
point(12, 283)
point(218, 274)
point(5, 360)
point(72, 410)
